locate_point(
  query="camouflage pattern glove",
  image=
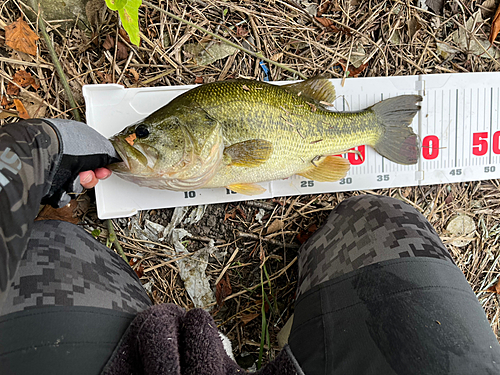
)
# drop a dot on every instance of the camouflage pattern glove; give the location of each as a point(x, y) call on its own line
point(81, 148)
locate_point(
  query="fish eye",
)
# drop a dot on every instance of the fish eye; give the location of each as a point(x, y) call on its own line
point(141, 131)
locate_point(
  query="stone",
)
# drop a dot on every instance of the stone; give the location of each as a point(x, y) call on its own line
point(86, 11)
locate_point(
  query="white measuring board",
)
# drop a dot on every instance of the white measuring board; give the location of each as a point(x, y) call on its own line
point(458, 127)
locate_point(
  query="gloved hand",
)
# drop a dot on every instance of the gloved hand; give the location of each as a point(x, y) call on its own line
point(81, 148)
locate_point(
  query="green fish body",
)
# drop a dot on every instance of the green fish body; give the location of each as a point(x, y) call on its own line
point(239, 132)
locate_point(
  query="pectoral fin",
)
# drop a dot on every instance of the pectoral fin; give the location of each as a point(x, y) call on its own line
point(247, 189)
point(331, 168)
point(250, 153)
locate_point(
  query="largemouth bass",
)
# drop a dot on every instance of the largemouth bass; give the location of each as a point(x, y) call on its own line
point(236, 133)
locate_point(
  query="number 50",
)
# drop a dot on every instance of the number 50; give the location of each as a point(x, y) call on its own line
point(480, 143)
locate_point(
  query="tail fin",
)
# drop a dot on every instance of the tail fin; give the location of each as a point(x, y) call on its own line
point(398, 142)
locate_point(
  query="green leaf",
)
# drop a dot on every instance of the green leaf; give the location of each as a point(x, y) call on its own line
point(129, 15)
point(96, 232)
point(116, 4)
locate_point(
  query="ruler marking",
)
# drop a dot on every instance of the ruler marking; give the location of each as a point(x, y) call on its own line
point(446, 127)
point(469, 126)
point(450, 127)
point(491, 124)
point(383, 159)
point(420, 133)
point(498, 112)
point(456, 126)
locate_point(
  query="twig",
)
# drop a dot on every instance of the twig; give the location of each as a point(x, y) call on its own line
point(27, 63)
point(269, 240)
point(227, 266)
point(254, 54)
point(112, 237)
point(55, 60)
point(259, 204)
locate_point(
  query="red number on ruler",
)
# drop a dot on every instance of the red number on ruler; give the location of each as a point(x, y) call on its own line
point(479, 143)
point(355, 158)
point(496, 146)
point(430, 147)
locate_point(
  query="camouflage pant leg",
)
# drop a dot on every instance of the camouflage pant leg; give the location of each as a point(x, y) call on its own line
point(363, 230)
point(64, 266)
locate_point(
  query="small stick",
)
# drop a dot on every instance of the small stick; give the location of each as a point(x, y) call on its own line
point(271, 241)
point(233, 255)
point(112, 237)
point(258, 204)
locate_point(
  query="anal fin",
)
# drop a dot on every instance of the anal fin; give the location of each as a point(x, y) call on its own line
point(331, 168)
point(247, 189)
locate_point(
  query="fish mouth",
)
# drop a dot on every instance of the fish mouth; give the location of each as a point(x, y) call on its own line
point(135, 158)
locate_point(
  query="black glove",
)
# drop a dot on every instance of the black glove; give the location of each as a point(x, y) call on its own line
point(81, 148)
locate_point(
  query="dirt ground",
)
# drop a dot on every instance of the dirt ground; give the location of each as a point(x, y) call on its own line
point(348, 38)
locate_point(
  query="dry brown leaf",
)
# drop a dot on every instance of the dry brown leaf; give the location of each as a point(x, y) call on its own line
point(245, 319)
point(122, 50)
point(275, 226)
point(124, 35)
point(241, 31)
point(12, 89)
point(65, 213)
point(413, 26)
point(108, 43)
point(23, 113)
point(134, 74)
point(34, 104)
point(139, 270)
point(495, 26)
point(303, 236)
point(231, 214)
point(25, 79)
point(495, 288)
point(223, 289)
point(104, 77)
point(331, 27)
point(19, 36)
point(199, 80)
point(277, 56)
point(21, 78)
point(324, 7)
point(353, 72)
point(4, 103)
point(327, 23)
point(241, 212)
point(449, 198)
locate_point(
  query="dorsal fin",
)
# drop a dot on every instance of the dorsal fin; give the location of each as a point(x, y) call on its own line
point(319, 89)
